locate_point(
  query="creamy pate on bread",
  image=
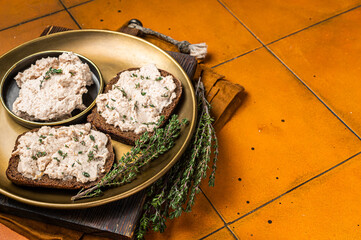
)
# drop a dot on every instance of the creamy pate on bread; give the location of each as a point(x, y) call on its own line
point(65, 157)
point(134, 101)
point(52, 88)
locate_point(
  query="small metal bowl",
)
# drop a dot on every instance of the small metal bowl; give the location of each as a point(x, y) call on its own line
point(10, 91)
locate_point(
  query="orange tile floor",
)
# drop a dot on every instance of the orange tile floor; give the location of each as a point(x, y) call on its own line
point(289, 165)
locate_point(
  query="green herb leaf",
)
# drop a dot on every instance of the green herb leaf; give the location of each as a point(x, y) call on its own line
point(92, 138)
point(53, 71)
point(50, 71)
point(40, 154)
point(149, 123)
point(41, 83)
point(123, 92)
point(90, 156)
point(86, 174)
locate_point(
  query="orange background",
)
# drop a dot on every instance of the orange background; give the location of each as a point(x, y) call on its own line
point(289, 164)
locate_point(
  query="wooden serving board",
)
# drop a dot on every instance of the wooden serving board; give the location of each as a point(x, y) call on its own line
point(116, 220)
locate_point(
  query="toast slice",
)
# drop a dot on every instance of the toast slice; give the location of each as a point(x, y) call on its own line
point(45, 181)
point(129, 137)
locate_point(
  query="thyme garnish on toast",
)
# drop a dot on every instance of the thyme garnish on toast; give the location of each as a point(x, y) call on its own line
point(147, 148)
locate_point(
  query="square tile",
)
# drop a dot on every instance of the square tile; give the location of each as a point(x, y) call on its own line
point(281, 136)
point(15, 12)
point(12, 37)
point(273, 19)
point(327, 207)
point(327, 58)
point(225, 36)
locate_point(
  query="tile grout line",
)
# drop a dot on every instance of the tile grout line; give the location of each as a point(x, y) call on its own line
point(315, 24)
point(289, 69)
point(209, 234)
point(270, 51)
point(33, 19)
point(220, 216)
point(291, 34)
point(72, 17)
point(231, 59)
point(296, 187)
point(279, 39)
point(328, 107)
point(46, 15)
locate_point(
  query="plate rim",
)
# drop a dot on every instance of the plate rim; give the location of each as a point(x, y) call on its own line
point(148, 182)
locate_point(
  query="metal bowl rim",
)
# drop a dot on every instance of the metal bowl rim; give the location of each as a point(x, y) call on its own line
point(65, 121)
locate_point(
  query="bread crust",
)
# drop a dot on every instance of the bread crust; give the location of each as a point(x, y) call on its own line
point(129, 137)
point(16, 177)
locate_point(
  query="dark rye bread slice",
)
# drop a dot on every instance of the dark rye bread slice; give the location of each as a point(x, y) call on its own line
point(129, 137)
point(16, 177)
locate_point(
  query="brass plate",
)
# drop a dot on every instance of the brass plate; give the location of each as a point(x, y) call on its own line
point(111, 52)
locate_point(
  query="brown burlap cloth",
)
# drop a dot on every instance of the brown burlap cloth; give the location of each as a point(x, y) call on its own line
point(225, 98)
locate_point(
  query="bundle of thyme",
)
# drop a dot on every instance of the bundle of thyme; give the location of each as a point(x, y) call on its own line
point(147, 148)
point(175, 192)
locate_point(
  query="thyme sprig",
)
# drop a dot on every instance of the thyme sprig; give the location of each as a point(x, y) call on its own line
point(147, 148)
point(47, 74)
point(175, 192)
